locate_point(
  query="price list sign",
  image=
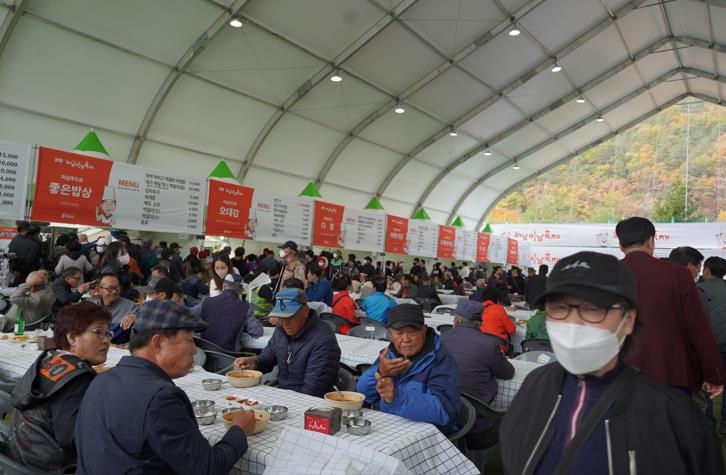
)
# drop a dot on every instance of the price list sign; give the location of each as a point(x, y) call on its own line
point(14, 169)
point(423, 238)
point(328, 228)
point(447, 238)
point(396, 234)
point(364, 231)
point(465, 245)
point(228, 209)
point(482, 247)
point(497, 249)
point(280, 218)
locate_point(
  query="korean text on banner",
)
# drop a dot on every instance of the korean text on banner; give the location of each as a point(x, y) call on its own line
point(423, 238)
point(364, 231)
point(280, 218)
point(447, 237)
point(465, 245)
point(7, 233)
point(497, 249)
point(68, 185)
point(396, 234)
point(482, 247)
point(512, 251)
point(14, 172)
point(228, 209)
point(328, 228)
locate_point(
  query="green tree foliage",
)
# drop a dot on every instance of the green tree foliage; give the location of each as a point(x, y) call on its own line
point(635, 173)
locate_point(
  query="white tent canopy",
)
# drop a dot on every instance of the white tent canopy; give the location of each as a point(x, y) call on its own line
point(170, 84)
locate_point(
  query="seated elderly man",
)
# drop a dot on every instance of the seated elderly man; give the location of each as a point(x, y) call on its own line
point(228, 316)
point(480, 362)
point(303, 347)
point(416, 376)
point(123, 310)
point(34, 297)
point(134, 419)
point(68, 289)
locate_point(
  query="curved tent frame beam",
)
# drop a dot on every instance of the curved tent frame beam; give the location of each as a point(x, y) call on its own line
point(11, 20)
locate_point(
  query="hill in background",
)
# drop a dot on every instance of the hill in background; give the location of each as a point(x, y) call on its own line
point(640, 172)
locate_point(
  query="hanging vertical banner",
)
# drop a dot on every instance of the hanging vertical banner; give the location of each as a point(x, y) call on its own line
point(512, 252)
point(364, 231)
point(482, 247)
point(14, 173)
point(523, 258)
point(328, 228)
point(423, 238)
point(465, 245)
point(279, 218)
point(228, 209)
point(445, 245)
point(76, 188)
point(497, 249)
point(396, 234)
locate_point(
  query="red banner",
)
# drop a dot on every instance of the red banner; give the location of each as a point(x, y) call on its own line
point(512, 251)
point(482, 247)
point(70, 188)
point(396, 234)
point(328, 225)
point(228, 210)
point(447, 238)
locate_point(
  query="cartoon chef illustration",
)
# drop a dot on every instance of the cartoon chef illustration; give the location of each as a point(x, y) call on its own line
point(104, 211)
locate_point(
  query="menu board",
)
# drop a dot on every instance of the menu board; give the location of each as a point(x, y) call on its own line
point(446, 241)
point(465, 245)
point(76, 188)
point(423, 238)
point(512, 252)
point(497, 249)
point(14, 169)
point(228, 209)
point(523, 257)
point(281, 218)
point(482, 247)
point(396, 234)
point(364, 231)
point(328, 228)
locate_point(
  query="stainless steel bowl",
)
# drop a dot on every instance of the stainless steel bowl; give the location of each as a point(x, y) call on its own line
point(359, 426)
point(212, 384)
point(350, 414)
point(205, 416)
point(277, 413)
point(206, 404)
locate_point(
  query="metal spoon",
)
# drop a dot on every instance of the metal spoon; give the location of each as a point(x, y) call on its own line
point(340, 395)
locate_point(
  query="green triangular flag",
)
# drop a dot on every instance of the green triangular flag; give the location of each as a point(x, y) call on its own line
point(91, 145)
point(311, 191)
point(222, 171)
point(487, 229)
point(458, 222)
point(374, 203)
point(421, 214)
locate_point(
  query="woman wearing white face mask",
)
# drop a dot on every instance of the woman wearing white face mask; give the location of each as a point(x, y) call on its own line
point(590, 412)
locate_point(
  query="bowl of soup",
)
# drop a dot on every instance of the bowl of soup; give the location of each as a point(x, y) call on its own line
point(244, 378)
point(346, 400)
point(261, 419)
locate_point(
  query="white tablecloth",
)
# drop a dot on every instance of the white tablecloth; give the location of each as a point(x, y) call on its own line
point(451, 299)
point(421, 446)
point(508, 389)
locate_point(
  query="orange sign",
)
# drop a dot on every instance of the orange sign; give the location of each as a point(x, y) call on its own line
point(447, 237)
point(482, 247)
point(328, 225)
point(512, 251)
point(228, 210)
point(396, 234)
point(69, 187)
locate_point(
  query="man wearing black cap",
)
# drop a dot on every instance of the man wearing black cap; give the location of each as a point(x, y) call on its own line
point(292, 267)
point(415, 377)
point(136, 420)
point(589, 412)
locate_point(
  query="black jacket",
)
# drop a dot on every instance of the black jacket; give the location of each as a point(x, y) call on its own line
point(653, 426)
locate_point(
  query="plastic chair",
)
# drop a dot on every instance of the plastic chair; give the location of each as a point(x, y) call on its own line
point(346, 379)
point(218, 360)
point(482, 409)
point(536, 344)
point(370, 329)
point(333, 327)
point(337, 320)
point(443, 328)
point(543, 357)
point(445, 309)
point(465, 421)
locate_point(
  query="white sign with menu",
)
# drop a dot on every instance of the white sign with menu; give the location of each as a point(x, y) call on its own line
point(423, 238)
point(497, 249)
point(364, 231)
point(14, 169)
point(282, 218)
point(465, 245)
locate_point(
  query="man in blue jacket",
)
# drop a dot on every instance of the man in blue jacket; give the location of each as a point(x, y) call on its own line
point(416, 377)
point(319, 288)
point(378, 305)
point(303, 347)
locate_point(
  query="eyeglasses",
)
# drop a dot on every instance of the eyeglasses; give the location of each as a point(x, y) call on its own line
point(559, 310)
point(282, 303)
point(111, 289)
point(101, 333)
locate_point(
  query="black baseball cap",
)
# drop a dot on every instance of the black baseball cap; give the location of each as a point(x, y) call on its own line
point(406, 315)
point(600, 279)
point(289, 244)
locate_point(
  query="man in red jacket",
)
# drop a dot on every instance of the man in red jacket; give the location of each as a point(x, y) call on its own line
point(676, 346)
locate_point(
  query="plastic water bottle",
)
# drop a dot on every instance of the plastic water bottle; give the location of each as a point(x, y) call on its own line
point(20, 323)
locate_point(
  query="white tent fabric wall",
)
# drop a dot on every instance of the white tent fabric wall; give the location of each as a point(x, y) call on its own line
point(172, 84)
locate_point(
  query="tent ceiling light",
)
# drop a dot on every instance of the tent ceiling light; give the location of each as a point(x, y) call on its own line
point(336, 77)
point(516, 166)
point(600, 119)
point(514, 31)
point(453, 133)
point(556, 68)
point(487, 153)
point(399, 110)
point(235, 22)
point(580, 100)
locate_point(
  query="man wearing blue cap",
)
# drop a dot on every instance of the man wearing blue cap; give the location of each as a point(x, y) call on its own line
point(303, 347)
point(134, 419)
